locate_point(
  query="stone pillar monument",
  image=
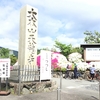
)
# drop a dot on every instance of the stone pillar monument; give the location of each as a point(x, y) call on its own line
point(27, 53)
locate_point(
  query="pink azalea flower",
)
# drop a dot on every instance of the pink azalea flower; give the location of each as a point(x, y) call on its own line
point(55, 60)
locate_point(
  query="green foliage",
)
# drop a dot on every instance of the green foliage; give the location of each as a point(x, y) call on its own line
point(63, 69)
point(57, 69)
point(38, 51)
point(13, 59)
point(78, 49)
point(45, 49)
point(92, 37)
point(64, 49)
point(67, 49)
point(4, 53)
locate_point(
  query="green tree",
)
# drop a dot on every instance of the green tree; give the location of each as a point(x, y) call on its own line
point(92, 37)
point(13, 59)
point(64, 49)
point(4, 53)
point(38, 51)
point(77, 49)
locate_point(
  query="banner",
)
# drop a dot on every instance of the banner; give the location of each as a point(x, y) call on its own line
point(4, 68)
point(45, 65)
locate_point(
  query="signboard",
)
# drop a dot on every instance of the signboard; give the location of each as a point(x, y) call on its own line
point(92, 54)
point(4, 68)
point(45, 65)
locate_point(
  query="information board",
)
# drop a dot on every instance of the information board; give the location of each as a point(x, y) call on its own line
point(4, 68)
point(92, 53)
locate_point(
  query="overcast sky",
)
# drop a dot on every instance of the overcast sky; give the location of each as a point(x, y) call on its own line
point(65, 20)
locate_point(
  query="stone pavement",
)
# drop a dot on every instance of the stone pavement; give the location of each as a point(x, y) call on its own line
point(48, 96)
point(71, 90)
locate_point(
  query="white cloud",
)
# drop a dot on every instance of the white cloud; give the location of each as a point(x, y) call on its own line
point(66, 40)
point(8, 43)
point(69, 25)
point(45, 42)
point(49, 26)
point(9, 20)
point(62, 19)
point(91, 2)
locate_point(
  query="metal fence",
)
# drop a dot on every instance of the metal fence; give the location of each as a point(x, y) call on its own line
point(24, 73)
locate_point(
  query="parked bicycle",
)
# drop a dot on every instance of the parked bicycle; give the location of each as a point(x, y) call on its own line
point(69, 74)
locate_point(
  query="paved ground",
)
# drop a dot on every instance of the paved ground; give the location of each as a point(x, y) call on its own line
point(80, 88)
point(49, 96)
point(71, 90)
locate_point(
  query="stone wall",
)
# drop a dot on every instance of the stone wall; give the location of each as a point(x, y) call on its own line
point(33, 87)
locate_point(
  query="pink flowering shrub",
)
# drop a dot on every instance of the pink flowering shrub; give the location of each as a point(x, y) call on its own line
point(11, 68)
point(54, 63)
point(54, 60)
point(58, 61)
point(38, 60)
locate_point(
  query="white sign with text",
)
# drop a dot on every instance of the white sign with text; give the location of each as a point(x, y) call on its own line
point(4, 68)
point(92, 53)
point(45, 65)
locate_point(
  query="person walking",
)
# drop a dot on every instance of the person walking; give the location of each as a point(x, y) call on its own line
point(67, 72)
point(92, 72)
point(75, 71)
